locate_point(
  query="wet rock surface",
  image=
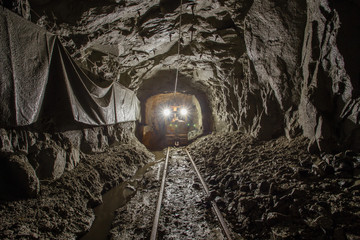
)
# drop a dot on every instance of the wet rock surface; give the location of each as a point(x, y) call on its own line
point(185, 212)
point(63, 208)
point(276, 190)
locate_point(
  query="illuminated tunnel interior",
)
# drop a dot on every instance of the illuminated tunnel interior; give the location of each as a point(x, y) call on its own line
point(169, 119)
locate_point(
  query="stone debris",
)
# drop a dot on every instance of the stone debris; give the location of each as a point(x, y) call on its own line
point(265, 189)
point(62, 208)
point(185, 212)
point(283, 191)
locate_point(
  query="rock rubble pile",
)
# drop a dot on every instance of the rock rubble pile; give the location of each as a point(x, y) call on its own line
point(277, 190)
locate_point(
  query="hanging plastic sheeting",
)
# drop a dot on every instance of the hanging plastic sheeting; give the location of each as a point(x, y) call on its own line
point(38, 76)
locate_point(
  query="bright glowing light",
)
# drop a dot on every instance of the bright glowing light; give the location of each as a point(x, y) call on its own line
point(183, 111)
point(166, 112)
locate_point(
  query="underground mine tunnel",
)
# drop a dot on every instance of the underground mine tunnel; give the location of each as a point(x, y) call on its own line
point(163, 121)
point(179, 119)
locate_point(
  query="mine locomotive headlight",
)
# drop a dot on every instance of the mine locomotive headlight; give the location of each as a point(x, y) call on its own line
point(183, 112)
point(166, 112)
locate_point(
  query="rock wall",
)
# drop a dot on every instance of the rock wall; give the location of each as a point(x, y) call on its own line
point(268, 68)
point(273, 35)
point(29, 156)
point(329, 106)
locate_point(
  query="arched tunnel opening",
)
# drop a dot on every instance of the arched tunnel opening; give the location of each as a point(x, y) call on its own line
point(169, 118)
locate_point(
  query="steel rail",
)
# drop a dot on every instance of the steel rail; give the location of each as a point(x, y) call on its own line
point(161, 194)
point(213, 203)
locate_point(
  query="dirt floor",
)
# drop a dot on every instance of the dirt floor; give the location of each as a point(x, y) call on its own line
point(277, 190)
point(265, 189)
point(63, 210)
point(185, 213)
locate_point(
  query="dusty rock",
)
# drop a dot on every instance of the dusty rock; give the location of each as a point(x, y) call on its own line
point(47, 150)
point(298, 193)
point(20, 140)
point(265, 67)
point(246, 205)
point(62, 210)
point(301, 198)
point(355, 186)
point(322, 168)
point(49, 160)
point(19, 177)
point(244, 188)
point(184, 212)
point(94, 141)
point(357, 173)
point(323, 222)
point(275, 217)
point(339, 234)
point(72, 158)
point(264, 187)
point(5, 143)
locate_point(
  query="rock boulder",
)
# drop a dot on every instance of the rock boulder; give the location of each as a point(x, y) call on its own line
point(19, 177)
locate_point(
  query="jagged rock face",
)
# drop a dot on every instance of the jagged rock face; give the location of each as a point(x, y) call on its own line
point(27, 156)
point(267, 67)
point(329, 106)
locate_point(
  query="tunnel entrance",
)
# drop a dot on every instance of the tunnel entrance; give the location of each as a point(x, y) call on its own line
point(170, 120)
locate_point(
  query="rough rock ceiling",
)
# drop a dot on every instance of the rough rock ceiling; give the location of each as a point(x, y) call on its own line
point(266, 67)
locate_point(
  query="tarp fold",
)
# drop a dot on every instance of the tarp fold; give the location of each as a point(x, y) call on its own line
point(37, 73)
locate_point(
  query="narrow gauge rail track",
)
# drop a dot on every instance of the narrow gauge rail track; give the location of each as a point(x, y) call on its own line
point(206, 190)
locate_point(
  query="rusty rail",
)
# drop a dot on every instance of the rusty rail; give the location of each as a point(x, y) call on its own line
point(161, 194)
point(213, 203)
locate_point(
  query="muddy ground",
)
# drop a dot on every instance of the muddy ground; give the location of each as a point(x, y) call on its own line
point(185, 214)
point(265, 189)
point(63, 209)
